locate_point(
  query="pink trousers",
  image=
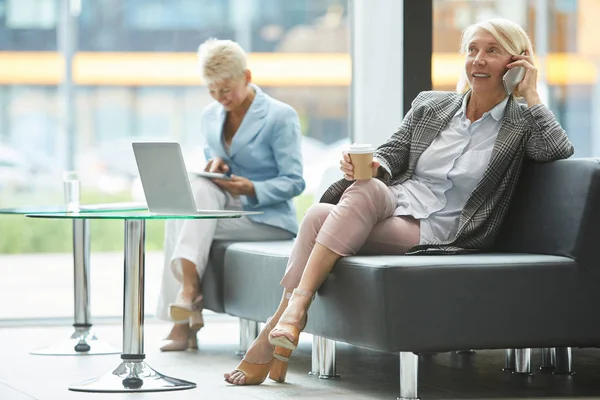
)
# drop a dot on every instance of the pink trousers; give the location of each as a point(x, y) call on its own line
point(361, 223)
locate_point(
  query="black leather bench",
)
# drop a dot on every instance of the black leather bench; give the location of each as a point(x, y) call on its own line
point(538, 287)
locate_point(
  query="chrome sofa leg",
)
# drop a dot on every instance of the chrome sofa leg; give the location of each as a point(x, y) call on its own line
point(314, 359)
point(248, 332)
point(523, 361)
point(327, 362)
point(409, 376)
point(509, 361)
point(548, 359)
point(564, 361)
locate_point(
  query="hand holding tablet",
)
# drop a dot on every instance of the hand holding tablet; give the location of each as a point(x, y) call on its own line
point(212, 175)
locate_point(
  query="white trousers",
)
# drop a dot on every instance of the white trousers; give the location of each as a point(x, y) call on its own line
point(191, 239)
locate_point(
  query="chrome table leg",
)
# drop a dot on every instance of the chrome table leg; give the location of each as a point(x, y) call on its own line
point(83, 341)
point(133, 374)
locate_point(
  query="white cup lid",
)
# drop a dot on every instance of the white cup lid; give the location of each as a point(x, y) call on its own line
point(358, 148)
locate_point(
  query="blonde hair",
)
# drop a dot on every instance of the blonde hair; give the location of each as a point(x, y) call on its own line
point(221, 60)
point(508, 34)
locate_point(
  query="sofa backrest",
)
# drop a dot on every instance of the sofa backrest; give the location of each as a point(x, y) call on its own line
point(555, 210)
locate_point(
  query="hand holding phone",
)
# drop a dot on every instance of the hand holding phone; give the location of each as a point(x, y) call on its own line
point(512, 78)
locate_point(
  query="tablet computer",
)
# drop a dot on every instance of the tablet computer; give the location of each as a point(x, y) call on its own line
point(211, 175)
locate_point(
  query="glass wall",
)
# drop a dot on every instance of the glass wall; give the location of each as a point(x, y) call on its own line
point(136, 77)
point(564, 34)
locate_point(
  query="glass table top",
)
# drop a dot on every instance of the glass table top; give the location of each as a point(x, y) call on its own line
point(88, 208)
point(144, 214)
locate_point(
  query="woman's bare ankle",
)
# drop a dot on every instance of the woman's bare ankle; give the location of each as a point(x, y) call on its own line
point(190, 293)
point(179, 332)
point(261, 351)
point(295, 313)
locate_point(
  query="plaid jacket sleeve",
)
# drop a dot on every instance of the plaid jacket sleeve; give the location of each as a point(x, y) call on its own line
point(547, 140)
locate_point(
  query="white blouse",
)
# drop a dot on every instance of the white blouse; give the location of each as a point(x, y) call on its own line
point(447, 172)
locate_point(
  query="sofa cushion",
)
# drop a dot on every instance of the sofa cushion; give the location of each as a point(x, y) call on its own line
point(251, 279)
point(424, 303)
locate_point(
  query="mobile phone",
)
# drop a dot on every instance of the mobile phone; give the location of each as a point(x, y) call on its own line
point(512, 78)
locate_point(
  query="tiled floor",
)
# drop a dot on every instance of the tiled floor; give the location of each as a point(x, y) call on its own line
point(365, 374)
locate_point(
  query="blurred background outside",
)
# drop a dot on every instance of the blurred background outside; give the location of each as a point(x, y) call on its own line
point(135, 77)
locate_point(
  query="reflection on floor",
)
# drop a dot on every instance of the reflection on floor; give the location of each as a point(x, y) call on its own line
point(365, 374)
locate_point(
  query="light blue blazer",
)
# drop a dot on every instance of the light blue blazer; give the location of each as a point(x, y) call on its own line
point(266, 150)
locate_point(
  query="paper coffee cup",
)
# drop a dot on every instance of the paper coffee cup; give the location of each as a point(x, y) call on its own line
point(362, 160)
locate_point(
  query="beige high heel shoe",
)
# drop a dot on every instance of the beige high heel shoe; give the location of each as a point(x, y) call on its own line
point(180, 344)
point(181, 309)
point(195, 323)
point(255, 374)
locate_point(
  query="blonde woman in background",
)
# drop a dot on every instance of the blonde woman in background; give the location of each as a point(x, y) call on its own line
point(254, 139)
point(443, 183)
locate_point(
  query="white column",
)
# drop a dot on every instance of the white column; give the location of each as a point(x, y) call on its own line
point(541, 45)
point(377, 73)
point(67, 44)
point(241, 18)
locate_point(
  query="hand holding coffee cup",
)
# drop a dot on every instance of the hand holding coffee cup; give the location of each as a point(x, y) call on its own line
point(357, 162)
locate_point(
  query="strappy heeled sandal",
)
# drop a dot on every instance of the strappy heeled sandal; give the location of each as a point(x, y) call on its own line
point(190, 342)
point(281, 341)
point(181, 309)
point(196, 321)
point(256, 374)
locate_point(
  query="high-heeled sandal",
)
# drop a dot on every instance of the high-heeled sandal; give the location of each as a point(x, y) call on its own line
point(180, 344)
point(256, 374)
point(283, 355)
point(282, 341)
point(196, 321)
point(181, 309)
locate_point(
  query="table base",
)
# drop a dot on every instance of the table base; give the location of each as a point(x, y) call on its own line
point(83, 342)
point(132, 376)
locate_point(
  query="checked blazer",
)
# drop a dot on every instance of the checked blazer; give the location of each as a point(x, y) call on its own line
point(531, 132)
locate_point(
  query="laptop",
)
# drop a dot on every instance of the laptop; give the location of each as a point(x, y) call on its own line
point(165, 180)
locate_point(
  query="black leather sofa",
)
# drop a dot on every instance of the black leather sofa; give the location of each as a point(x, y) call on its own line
point(539, 286)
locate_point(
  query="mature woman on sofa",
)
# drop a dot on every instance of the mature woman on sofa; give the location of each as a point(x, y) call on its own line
point(254, 139)
point(441, 184)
